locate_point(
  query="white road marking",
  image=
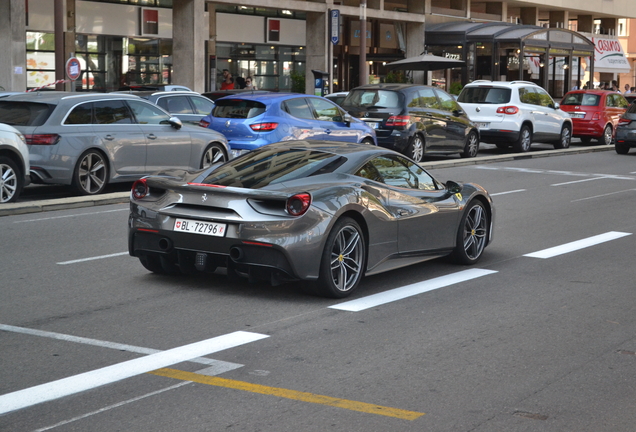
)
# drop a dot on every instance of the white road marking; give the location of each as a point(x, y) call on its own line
point(410, 290)
point(117, 372)
point(508, 192)
point(576, 245)
point(578, 181)
point(92, 258)
point(110, 407)
point(218, 365)
point(68, 216)
point(604, 195)
point(555, 172)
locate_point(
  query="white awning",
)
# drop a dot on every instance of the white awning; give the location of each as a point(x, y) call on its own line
point(608, 55)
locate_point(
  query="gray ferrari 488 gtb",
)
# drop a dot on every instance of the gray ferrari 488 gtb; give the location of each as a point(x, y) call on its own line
point(320, 212)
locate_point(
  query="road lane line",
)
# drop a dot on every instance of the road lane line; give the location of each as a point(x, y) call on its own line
point(410, 290)
point(220, 366)
point(110, 407)
point(576, 245)
point(68, 216)
point(92, 258)
point(508, 192)
point(578, 181)
point(120, 371)
point(289, 394)
point(603, 195)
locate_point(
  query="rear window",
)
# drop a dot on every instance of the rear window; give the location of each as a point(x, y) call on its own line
point(369, 98)
point(238, 108)
point(17, 113)
point(485, 95)
point(581, 99)
point(262, 167)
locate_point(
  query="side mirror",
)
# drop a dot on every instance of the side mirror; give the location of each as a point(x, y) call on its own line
point(348, 119)
point(175, 123)
point(557, 105)
point(453, 187)
point(458, 112)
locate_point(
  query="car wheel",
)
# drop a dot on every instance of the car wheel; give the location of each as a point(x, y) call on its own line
point(607, 137)
point(525, 139)
point(415, 150)
point(472, 234)
point(471, 148)
point(586, 140)
point(343, 260)
point(213, 154)
point(11, 182)
point(91, 173)
point(368, 141)
point(621, 148)
point(566, 136)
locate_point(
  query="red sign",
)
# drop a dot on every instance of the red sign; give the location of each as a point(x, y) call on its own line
point(73, 68)
point(150, 21)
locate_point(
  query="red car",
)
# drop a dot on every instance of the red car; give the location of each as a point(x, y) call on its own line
point(595, 113)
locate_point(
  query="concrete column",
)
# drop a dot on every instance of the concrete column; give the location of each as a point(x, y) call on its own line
point(211, 67)
point(189, 36)
point(585, 23)
point(529, 15)
point(415, 36)
point(559, 19)
point(498, 8)
point(69, 36)
point(316, 56)
point(13, 40)
point(609, 26)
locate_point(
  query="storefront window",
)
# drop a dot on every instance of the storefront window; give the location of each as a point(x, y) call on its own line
point(40, 59)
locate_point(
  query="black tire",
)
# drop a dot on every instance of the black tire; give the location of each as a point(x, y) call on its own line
point(608, 136)
point(368, 141)
point(415, 149)
point(11, 180)
point(565, 138)
point(522, 145)
point(621, 148)
point(91, 173)
point(343, 260)
point(214, 153)
point(472, 234)
point(471, 146)
point(586, 140)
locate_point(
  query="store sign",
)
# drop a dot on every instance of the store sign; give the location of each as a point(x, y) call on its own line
point(609, 56)
point(273, 30)
point(150, 21)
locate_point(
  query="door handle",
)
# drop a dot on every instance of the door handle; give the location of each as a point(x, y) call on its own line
point(109, 137)
point(152, 136)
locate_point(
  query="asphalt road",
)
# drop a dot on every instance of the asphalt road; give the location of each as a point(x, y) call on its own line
point(539, 336)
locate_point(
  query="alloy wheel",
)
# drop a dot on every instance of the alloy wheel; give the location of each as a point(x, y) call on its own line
point(212, 155)
point(8, 183)
point(607, 135)
point(475, 230)
point(347, 257)
point(92, 173)
point(417, 149)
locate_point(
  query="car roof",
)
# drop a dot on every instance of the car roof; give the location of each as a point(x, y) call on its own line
point(268, 97)
point(389, 86)
point(55, 97)
point(501, 83)
point(594, 91)
point(148, 93)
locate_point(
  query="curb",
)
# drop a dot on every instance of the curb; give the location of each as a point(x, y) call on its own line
point(123, 197)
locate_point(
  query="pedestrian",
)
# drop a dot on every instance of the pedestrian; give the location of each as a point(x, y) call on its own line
point(627, 89)
point(248, 84)
point(240, 83)
point(228, 81)
point(577, 86)
point(615, 86)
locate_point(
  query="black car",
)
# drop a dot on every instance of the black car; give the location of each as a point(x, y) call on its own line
point(189, 107)
point(625, 137)
point(414, 119)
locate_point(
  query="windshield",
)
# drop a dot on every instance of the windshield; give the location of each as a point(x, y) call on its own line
point(485, 95)
point(581, 99)
point(262, 167)
point(18, 113)
point(373, 98)
point(238, 108)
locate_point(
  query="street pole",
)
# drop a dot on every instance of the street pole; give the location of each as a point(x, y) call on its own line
point(364, 70)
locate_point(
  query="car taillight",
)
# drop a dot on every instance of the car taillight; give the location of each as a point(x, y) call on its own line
point(624, 121)
point(264, 127)
point(596, 116)
point(140, 189)
point(298, 204)
point(42, 139)
point(510, 109)
point(203, 123)
point(399, 121)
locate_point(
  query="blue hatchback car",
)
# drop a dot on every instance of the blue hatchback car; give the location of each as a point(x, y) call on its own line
point(254, 120)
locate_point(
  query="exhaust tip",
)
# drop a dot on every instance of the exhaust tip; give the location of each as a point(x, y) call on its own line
point(236, 253)
point(165, 244)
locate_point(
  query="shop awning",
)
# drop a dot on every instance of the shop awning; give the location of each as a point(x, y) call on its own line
point(608, 55)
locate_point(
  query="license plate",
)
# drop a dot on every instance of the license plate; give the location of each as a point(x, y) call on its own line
point(198, 227)
point(577, 115)
point(483, 125)
point(372, 125)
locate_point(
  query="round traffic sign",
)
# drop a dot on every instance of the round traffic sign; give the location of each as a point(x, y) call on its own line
point(73, 68)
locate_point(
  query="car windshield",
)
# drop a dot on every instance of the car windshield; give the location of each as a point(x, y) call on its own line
point(18, 113)
point(581, 99)
point(485, 95)
point(262, 167)
point(238, 108)
point(365, 98)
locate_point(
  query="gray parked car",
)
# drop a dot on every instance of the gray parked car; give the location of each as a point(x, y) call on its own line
point(88, 140)
point(189, 107)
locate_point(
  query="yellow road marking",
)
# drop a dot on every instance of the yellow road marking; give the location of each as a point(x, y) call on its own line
point(289, 394)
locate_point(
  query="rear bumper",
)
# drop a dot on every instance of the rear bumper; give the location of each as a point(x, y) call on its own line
point(626, 137)
point(397, 140)
point(583, 128)
point(498, 136)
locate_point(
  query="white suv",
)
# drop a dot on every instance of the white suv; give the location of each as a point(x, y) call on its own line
point(14, 163)
point(515, 113)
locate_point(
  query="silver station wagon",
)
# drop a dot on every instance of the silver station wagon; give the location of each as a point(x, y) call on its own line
point(88, 140)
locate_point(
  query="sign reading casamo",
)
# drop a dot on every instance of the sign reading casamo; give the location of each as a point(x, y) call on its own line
point(608, 54)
